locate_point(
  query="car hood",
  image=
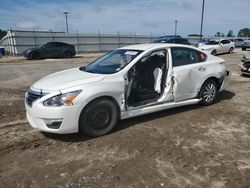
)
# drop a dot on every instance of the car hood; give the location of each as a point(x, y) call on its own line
point(30, 49)
point(205, 47)
point(66, 79)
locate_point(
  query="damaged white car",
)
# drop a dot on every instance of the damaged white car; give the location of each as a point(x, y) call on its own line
point(124, 83)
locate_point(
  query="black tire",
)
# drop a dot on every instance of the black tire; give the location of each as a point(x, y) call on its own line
point(231, 50)
point(214, 52)
point(34, 55)
point(243, 49)
point(208, 92)
point(98, 118)
point(67, 54)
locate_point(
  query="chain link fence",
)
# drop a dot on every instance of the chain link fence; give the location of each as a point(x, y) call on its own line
point(16, 41)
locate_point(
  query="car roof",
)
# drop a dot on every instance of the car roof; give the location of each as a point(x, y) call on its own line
point(148, 46)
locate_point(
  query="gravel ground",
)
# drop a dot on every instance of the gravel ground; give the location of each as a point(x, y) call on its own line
point(191, 146)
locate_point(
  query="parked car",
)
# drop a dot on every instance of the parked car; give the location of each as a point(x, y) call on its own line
point(172, 39)
point(245, 45)
point(200, 42)
point(50, 50)
point(218, 46)
point(245, 65)
point(238, 42)
point(127, 82)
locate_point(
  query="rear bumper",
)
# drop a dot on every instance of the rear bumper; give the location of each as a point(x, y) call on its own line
point(226, 80)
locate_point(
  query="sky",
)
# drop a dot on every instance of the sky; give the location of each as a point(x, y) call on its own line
point(154, 17)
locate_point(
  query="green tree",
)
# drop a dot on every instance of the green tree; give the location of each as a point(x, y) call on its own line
point(218, 34)
point(222, 35)
point(230, 33)
point(2, 33)
point(245, 32)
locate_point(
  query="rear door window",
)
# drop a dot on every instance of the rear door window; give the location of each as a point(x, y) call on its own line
point(185, 56)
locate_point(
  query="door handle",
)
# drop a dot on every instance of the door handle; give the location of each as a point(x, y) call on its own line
point(202, 69)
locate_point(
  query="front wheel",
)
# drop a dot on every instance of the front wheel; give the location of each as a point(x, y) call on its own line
point(98, 118)
point(34, 55)
point(214, 52)
point(208, 92)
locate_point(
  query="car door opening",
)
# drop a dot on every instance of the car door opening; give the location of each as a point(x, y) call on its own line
point(146, 79)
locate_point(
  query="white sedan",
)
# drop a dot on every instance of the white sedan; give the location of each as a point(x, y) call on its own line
point(218, 46)
point(126, 82)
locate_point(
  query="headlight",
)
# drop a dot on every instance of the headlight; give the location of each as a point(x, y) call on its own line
point(208, 49)
point(65, 99)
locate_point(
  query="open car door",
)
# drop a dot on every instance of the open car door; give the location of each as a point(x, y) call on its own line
point(149, 82)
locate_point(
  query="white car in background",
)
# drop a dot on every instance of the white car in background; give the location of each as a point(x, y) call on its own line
point(126, 82)
point(218, 46)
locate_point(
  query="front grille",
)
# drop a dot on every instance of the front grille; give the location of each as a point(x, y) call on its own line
point(32, 96)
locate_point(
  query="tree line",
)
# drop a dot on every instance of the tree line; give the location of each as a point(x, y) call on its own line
point(245, 32)
point(2, 33)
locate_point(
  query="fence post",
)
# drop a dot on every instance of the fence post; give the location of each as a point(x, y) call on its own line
point(13, 51)
point(118, 33)
point(53, 40)
point(78, 42)
point(34, 37)
point(99, 40)
point(135, 38)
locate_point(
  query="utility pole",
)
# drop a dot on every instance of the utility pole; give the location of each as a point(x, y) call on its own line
point(202, 15)
point(175, 27)
point(66, 19)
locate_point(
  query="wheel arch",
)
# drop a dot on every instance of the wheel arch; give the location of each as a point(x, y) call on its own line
point(217, 81)
point(105, 97)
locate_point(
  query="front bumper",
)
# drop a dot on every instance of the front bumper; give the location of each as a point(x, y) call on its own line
point(226, 80)
point(60, 120)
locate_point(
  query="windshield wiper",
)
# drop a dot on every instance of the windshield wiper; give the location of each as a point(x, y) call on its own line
point(84, 69)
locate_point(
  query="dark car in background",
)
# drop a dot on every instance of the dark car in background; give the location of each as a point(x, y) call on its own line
point(50, 50)
point(238, 42)
point(172, 39)
point(245, 45)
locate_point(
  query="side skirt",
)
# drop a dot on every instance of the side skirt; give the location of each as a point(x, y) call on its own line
point(154, 108)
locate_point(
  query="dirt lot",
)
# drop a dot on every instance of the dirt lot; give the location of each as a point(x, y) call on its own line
point(185, 147)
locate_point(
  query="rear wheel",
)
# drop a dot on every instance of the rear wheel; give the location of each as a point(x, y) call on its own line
point(67, 54)
point(243, 49)
point(231, 50)
point(214, 52)
point(98, 118)
point(208, 92)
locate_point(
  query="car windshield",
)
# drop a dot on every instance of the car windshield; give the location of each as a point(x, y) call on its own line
point(212, 42)
point(112, 62)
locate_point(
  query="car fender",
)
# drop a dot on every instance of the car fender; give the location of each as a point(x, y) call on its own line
point(97, 90)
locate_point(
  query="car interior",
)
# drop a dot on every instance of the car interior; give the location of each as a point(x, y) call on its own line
point(146, 79)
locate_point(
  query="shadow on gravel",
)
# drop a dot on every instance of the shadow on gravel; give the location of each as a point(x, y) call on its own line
point(224, 95)
point(123, 124)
